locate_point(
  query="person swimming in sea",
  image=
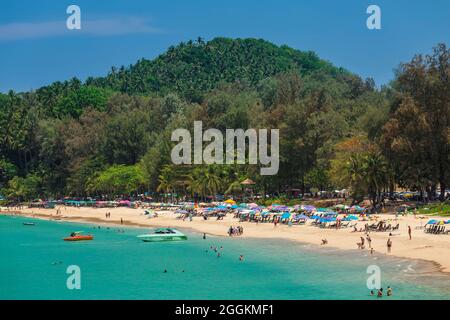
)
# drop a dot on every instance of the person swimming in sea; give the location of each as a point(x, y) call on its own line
point(389, 291)
point(204, 236)
point(165, 271)
point(241, 257)
point(380, 293)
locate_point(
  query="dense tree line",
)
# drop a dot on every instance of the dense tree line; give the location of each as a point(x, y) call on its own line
point(111, 136)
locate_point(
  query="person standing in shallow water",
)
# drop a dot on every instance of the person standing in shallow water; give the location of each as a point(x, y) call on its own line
point(369, 241)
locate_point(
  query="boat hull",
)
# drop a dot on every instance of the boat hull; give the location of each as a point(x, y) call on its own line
point(162, 239)
point(79, 238)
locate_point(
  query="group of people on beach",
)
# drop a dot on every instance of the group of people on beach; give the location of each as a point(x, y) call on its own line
point(235, 231)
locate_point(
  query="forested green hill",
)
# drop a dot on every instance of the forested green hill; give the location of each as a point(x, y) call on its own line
point(193, 68)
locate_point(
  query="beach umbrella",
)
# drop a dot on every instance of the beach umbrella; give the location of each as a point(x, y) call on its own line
point(285, 215)
point(352, 218)
point(433, 221)
point(230, 201)
point(308, 208)
point(301, 217)
point(323, 209)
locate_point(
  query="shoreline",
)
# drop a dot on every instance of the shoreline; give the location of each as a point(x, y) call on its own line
point(429, 248)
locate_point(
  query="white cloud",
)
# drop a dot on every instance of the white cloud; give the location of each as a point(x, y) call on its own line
point(101, 27)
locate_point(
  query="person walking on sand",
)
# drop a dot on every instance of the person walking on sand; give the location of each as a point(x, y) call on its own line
point(389, 245)
point(409, 232)
point(121, 221)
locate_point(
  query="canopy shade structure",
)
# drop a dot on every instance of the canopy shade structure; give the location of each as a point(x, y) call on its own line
point(248, 182)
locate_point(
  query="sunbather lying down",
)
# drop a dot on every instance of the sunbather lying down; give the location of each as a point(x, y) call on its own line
point(324, 241)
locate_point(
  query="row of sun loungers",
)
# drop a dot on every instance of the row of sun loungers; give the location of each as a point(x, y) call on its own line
point(437, 230)
point(383, 227)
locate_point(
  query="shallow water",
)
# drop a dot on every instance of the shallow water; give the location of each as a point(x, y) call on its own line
point(117, 265)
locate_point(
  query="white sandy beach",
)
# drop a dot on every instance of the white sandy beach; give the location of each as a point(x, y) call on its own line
point(430, 247)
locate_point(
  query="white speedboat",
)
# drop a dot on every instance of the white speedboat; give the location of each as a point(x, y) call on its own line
point(163, 234)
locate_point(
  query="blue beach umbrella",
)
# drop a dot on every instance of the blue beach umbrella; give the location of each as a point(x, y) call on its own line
point(286, 215)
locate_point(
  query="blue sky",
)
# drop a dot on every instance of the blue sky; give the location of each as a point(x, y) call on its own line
point(37, 49)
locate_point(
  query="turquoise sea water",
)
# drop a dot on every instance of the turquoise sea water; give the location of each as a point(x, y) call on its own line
point(117, 265)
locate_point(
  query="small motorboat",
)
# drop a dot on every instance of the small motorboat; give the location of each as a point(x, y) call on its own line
point(29, 223)
point(163, 234)
point(77, 236)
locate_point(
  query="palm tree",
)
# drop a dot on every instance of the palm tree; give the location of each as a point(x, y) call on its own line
point(167, 180)
point(376, 172)
point(204, 180)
